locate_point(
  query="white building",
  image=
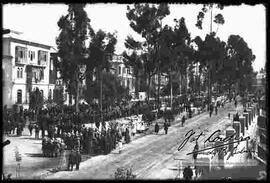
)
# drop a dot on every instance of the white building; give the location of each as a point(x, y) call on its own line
point(29, 67)
point(124, 73)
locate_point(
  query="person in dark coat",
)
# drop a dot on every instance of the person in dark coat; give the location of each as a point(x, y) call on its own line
point(188, 173)
point(103, 143)
point(156, 128)
point(211, 110)
point(235, 102)
point(74, 158)
point(195, 154)
point(166, 126)
point(36, 131)
point(30, 127)
point(127, 136)
point(183, 120)
point(216, 109)
point(236, 118)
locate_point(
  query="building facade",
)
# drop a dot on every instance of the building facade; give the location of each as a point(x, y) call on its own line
point(260, 82)
point(27, 66)
point(125, 74)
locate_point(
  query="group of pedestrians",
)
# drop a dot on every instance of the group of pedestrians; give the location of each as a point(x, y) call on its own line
point(166, 127)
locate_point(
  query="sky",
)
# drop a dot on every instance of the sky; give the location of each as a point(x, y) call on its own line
point(38, 22)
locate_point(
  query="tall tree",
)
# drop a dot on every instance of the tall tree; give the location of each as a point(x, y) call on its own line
point(176, 52)
point(242, 57)
point(134, 60)
point(113, 91)
point(219, 20)
point(146, 20)
point(36, 101)
point(71, 44)
point(101, 47)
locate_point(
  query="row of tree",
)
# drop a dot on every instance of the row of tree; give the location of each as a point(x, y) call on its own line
point(165, 50)
point(82, 56)
point(171, 51)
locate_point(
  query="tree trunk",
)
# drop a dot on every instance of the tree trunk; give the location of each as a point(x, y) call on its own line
point(101, 93)
point(171, 90)
point(77, 92)
point(136, 85)
point(180, 84)
point(209, 89)
point(199, 80)
point(148, 87)
point(158, 93)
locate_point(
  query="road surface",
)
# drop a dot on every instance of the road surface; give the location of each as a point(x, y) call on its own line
point(151, 156)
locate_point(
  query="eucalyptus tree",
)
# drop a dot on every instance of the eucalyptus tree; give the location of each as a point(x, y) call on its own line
point(36, 101)
point(134, 60)
point(72, 51)
point(242, 58)
point(101, 47)
point(176, 52)
point(219, 20)
point(146, 20)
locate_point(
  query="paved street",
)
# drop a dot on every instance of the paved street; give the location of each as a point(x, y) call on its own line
point(150, 156)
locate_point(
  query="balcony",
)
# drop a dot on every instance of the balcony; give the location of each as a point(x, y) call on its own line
point(19, 60)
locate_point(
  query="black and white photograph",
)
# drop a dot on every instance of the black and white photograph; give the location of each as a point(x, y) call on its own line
point(139, 91)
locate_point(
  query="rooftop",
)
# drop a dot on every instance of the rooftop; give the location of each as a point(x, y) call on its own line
point(19, 37)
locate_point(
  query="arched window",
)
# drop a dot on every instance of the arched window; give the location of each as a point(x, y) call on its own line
point(19, 96)
point(21, 72)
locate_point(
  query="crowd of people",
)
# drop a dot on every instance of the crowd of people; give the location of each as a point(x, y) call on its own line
point(62, 129)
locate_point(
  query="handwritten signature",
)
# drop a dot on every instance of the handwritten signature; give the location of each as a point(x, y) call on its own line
point(214, 137)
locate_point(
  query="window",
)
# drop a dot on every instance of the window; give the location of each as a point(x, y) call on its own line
point(41, 74)
point(19, 72)
point(20, 54)
point(119, 70)
point(19, 96)
point(31, 55)
point(123, 70)
point(42, 57)
point(128, 71)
